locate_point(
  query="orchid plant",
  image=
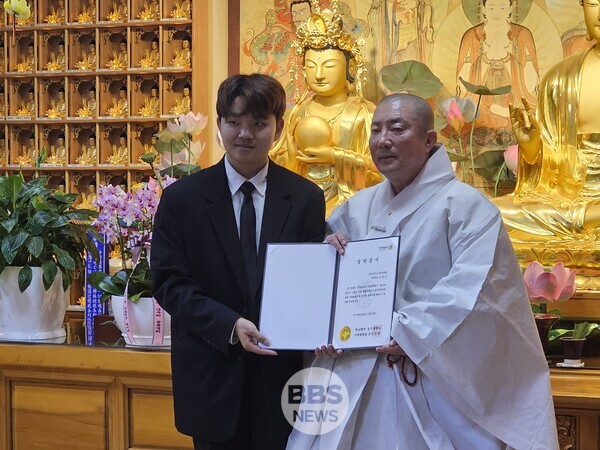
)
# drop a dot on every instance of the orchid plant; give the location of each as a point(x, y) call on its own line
point(126, 218)
point(556, 285)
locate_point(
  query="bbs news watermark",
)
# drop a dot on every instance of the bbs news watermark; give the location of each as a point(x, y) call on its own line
point(315, 401)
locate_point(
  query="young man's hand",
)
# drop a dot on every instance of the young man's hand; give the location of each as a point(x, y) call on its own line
point(249, 337)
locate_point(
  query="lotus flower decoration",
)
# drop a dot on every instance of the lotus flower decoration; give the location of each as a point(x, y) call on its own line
point(557, 285)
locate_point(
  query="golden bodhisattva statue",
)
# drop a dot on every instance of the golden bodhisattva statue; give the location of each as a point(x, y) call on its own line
point(89, 154)
point(27, 109)
point(150, 11)
point(27, 63)
point(88, 59)
point(183, 105)
point(554, 211)
point(57, 13)
point(151, 57)
point(57, 59)
point(58, 106)
point(119, 60)
point(182, 10)
point(58, 152)
point(118, 13)
point(120, 106)
point(88, 199)
point(120, 154)
point(151, 106)
point(183, 57)
point(340, 162)
point(28, 154)
point(88, 13)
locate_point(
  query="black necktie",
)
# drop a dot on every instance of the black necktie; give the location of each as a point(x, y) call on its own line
point(248, 238)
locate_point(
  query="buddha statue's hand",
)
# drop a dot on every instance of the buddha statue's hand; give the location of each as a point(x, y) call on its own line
point(527, 131)
point(314, 155)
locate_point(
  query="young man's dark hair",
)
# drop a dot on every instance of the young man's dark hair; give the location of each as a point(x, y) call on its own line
point(262, 95)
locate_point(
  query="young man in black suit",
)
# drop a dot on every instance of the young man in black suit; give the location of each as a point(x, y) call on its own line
point(208, 252)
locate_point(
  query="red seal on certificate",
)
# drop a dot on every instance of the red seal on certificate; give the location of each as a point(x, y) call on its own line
point(345, 334)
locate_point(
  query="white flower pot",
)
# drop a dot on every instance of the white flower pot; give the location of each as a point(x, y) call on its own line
point(35, 314)
point(141, 320)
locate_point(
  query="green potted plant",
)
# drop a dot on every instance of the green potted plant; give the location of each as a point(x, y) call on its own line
point(42, 244)
point(573, 344)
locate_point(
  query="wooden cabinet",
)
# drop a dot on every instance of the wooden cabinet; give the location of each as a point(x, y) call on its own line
point(70, 397)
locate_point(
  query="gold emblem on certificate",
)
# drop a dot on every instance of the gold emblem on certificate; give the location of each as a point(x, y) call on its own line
point(345, 334)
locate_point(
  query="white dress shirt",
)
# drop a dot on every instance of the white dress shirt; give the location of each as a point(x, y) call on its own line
point(235, 181)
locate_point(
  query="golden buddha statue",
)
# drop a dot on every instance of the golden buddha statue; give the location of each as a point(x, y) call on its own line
point(89, 153)
point(118, 13)
point(119, 60)
point(151, 57)
point(150, 11)
point(151, 106)
point(120, 154)
point(183, 57)
point(120, 106)
point(88, 59)
point(58, 106)
point(88, 199)
point(27, 63)
point(338, 160)
point(182, 10)
point(57, 14)
point(57, 60)
point(555, 207)
point(88, 13)
point(149, 148)
point(27, 109)
point(28, 154)
point(3, 151)
point(183, 105)
point(58, 152)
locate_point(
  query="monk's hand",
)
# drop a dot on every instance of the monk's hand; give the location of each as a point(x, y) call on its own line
point(328, 350)
point(249, 337)
point(314, 155)
point(392, 348)
point(338, 240)
point(527, 131)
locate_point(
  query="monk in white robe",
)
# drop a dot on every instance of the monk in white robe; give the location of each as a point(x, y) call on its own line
point(462, 316)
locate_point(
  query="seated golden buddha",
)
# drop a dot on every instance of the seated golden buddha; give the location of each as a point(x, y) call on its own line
point(89, 154)
point(151, 105)
point(182, 10)
point(183, 57)
point(27, 63)
point(149, 11)
point(340, 162)
point(58, 153)
point(88, 13)
point(554, 211)
point(118, 13)
point(120, 154)
point(28, 154)
point(120, 106)
point(57, 13)
point(183, 105)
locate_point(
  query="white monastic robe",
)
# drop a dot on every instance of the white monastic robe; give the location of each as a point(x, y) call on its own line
point(462, 316)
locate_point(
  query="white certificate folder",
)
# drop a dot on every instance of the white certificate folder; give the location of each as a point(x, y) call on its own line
point(312, 296)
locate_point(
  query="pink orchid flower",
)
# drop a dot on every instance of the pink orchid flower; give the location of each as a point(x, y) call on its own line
point(511, 156)
point(558, 285)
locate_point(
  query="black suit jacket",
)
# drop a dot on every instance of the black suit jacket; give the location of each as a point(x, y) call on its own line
point(198, 278)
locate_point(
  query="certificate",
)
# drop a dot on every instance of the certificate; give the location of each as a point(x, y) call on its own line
point(312, 296)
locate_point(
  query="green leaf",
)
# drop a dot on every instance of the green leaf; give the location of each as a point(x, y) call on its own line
point(63, 258)
point(180, 170)
point(411, 76)
point(25, 276)
point(488, 162)
point(9, 224)
point(105, 283)
point(11, 188)
point(12, 243)
point(49, 271)
point(35, 245)
point(479, 89)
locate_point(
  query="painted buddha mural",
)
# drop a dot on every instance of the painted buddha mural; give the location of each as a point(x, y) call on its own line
point(332, 65)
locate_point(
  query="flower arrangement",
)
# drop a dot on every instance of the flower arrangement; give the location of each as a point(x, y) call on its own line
point(126, 218)
point(556, 285)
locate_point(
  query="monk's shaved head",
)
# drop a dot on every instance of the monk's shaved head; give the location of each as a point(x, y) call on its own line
point(417, 106)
